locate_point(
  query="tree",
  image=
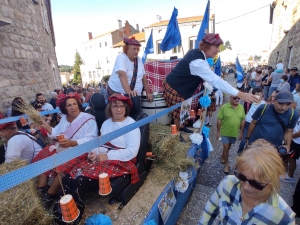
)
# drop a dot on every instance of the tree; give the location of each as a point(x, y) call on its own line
point(225, 46)
point(257, 58)
point(76, 70)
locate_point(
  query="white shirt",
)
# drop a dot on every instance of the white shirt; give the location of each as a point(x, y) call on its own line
point(253, 74)
point(200, 67)
point(47, 106)
point(87, 132)
point(21, 147)
point(128, 143)
point(297, 100)
point(123, 63)
point(252, 110)
point(297, 129)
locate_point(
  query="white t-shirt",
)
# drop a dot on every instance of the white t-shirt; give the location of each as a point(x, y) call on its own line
point(128, 143)
point(253, 74)
point(297, 100)
point(21, 147)
point(296, 129)
point(47, 106)
point(123, 63)
point(87, 132)
point(252, 110)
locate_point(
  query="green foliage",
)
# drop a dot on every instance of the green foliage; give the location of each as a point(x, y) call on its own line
point(257, 58)
point(106, 78)
point(225, 46)
point(77, 74)
point(65, 68)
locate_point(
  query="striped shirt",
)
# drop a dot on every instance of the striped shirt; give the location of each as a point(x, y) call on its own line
point(226, 202)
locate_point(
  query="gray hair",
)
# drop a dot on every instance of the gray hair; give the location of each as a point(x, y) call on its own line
point(53, 94)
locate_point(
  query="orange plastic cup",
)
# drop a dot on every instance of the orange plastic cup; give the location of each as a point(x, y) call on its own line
point(69, 209)
point(192, 113)
point(199, 112)
point(173, 129)
point(60, 137)
point(104, 184)
point(23, 121)
point(148, 154)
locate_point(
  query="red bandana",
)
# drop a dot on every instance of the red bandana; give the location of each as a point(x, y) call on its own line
point(213, 39)
point(131, 41)
point(119, 97)
point(63, 97)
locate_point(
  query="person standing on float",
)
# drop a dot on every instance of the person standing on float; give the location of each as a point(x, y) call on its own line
point(182, 82)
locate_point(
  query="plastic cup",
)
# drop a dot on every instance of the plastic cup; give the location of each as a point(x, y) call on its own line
point(192, 113)
point(173, 129)
point(60, 138)
point(69, 209)
point(23, 121)
point(104, 184)
point(199, 112)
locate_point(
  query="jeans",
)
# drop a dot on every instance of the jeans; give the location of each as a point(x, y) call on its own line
point(243, 141)
point(271, 90)
point(266, 92)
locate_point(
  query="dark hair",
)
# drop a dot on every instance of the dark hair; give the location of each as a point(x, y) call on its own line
point(258, 71)
point(108, 109)
point(285, 77)
point(36, 105)
point(14, 111)
point(256, 90)
point(63, 106)
point(288, 70)
point(204, 46)
point(38, 94)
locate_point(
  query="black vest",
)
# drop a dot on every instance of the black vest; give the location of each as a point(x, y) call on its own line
point(181, 79)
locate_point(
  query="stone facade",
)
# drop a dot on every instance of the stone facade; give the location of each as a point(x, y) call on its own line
point(285, 43)
point(28, 63)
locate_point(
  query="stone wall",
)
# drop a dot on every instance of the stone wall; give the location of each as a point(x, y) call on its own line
point(285, 44)
point(28, 63)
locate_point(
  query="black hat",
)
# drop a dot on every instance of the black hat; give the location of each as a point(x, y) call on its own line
point(284, 97)
point(70, 90)
point(295, 68)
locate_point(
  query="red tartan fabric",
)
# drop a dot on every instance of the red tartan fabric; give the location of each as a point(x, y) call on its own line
point(64, 168)
point(156, 73)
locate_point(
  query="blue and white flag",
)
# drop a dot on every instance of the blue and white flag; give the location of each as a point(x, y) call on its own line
point(239, 70)
point(172, 37)
point(218, 67)
point(149, 48)
point(204, 25)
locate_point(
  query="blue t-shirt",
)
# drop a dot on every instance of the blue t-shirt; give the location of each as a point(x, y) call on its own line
point(293, 81)
point(268, 127)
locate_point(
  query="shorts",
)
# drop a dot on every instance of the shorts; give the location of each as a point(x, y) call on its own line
point(228, 140)
point(296, 148)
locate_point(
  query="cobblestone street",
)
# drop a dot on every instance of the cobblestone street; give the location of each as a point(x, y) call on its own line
point(211, 174)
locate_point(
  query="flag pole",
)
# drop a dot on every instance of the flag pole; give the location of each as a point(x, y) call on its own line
point(182, 50)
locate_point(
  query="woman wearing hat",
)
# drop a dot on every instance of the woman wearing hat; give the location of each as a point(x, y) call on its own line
point(128, 76)
point(191, 71)
point(116, 158)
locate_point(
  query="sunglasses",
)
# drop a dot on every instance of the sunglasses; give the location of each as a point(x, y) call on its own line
point(253, 183)
point(235, 98)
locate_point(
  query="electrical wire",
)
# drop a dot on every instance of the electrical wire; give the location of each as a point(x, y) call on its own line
point(243, 14)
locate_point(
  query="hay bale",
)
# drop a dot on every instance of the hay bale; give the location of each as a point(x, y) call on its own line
point(21, 204)
point(171, 153)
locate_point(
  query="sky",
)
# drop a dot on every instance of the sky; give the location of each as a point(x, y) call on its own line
point(73, 19)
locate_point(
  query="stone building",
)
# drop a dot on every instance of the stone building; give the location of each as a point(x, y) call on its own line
point(28, 63)
point(285, 43)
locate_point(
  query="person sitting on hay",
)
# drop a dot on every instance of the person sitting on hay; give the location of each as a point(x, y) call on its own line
point(19, 145)
point(117, 159)
point(182, 82)
point(77, 128)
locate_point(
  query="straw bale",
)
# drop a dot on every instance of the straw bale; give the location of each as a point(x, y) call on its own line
point(171, 153)
point(21, 204)
point(29, 110)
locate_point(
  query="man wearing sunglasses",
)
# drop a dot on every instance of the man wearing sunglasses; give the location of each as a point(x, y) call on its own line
point(230, 125)
point(250, 195)
point(274, 122)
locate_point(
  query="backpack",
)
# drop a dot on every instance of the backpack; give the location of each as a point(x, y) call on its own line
point(279, 120)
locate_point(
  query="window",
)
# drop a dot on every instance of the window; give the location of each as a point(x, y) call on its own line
point(105, 43)
point(158, 48)
point(90, 74)
point(100, 45)
point(177, 49)
point(192, 43)
point(290, 52)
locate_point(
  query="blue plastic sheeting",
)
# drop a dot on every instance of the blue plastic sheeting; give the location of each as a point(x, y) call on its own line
point(181, 198)
point(15, 118)
point(23, 174)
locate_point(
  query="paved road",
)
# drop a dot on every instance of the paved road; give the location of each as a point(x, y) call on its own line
point(211, 174)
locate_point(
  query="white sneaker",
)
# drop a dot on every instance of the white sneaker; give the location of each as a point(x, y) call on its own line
point(288, 179)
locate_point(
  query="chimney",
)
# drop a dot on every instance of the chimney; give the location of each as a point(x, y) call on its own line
point(120, 24)
point(127, 29)
point(137, 28)
point(90, 35)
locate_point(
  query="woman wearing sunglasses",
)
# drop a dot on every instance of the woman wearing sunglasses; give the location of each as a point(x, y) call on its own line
point(249, 196)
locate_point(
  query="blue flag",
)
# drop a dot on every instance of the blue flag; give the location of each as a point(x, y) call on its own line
point(204, 25)
point(172, 37)
point(239, 70)
point(149, 48)
point(218, 67)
